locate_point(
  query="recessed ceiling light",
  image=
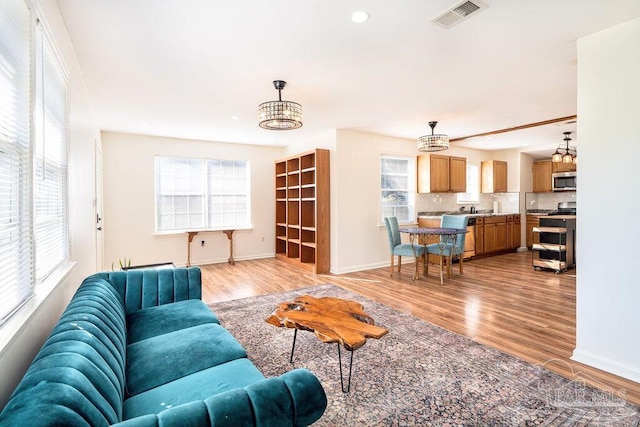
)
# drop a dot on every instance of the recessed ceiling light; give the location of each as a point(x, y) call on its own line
point(235, 118)
point(359, 17)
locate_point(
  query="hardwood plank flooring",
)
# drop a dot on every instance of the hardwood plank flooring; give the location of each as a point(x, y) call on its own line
point(500, 302)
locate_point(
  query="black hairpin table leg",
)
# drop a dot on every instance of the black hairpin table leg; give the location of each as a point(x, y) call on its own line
point(341, 376)
point(295, 334)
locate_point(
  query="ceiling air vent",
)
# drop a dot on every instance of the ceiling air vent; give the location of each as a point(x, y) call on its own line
point(459, 12)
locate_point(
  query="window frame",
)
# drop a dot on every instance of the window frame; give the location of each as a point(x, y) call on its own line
point(461, 198)
point(20, 143)
point(50, 67)
point(410, 190)
point(205, 194)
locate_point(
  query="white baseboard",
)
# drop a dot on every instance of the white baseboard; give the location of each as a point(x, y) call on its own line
point(612, 366)
point(226, 259)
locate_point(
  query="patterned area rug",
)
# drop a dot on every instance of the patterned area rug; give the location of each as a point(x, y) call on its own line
point(420, 374)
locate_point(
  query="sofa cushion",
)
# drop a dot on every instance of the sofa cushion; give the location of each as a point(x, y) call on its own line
point(162, 319)
point(164, 358)
point(198, 386)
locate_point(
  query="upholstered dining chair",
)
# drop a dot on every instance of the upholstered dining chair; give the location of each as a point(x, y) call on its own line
point(449, 250)
point(400, 249)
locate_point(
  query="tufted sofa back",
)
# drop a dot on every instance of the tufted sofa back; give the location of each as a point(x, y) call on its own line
point(77, 378)
point(148, 288)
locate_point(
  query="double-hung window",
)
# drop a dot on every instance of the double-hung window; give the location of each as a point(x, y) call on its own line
point(34, 237)
point(16, 245)
point(397, 188)
point(201, 194)
point(50, 159)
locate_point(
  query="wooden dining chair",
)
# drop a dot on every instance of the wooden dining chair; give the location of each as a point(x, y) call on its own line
point(399, 249)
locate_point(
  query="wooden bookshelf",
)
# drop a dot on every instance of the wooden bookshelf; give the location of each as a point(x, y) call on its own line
point(302, 210)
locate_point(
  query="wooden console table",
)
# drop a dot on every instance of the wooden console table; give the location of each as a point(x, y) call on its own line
point(192, 234)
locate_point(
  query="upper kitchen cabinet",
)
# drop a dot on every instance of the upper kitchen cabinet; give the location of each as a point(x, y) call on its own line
point(542, 171)
point(442, 174)
point(563, 167)
point(494, 176)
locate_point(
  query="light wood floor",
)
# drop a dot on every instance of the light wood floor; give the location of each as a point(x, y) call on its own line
point(500, 302)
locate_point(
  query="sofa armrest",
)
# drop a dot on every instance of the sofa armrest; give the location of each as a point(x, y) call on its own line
point(150, 287)
point(294, 398)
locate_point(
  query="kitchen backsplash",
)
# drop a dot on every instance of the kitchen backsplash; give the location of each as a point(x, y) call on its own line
point(437, 202)
point(547, 201)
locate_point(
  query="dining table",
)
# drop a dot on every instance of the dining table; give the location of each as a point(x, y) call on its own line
point(447, 236)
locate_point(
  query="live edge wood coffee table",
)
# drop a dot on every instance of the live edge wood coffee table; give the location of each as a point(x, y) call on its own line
point(332, 320)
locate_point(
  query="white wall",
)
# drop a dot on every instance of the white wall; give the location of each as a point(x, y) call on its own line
point(129, 191)
point(608, 293)
point(359, 241)
point(16, 356)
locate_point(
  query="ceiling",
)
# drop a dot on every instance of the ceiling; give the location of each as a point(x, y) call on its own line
point(197, 69)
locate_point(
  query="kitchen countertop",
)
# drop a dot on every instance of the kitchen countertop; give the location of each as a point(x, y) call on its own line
point(433, 215)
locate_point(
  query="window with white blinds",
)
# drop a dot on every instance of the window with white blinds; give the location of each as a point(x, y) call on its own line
point(201, 194)
point(16, 244)
point(33, 158)
point(50, 160)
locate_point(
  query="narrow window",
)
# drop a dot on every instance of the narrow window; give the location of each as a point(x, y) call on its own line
point(397, 188)
point(473, 186)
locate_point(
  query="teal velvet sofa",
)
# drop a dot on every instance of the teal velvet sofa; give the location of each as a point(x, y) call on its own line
point(140, 348)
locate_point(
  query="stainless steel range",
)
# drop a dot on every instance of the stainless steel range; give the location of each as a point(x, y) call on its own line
point(565, 208)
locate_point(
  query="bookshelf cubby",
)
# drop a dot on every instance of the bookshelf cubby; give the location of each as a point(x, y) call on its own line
point(302, 210)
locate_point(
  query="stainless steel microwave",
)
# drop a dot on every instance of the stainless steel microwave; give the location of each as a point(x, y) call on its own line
point(564, 181)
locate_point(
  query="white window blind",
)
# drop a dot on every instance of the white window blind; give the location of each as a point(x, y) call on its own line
point(16, 250)
point(201, 194)
point(397, 188)
point(179, 193)
point(50, 160)
point(228, 188)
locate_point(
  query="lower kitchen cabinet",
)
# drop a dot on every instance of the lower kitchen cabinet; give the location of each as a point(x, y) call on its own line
point(532, 222)
point(514, 238)
point(490, 235)
point(497, 233)
point(469, 240)
point(479, 236)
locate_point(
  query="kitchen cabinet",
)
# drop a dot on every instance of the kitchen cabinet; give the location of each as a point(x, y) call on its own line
point(514, 238)
point(542, 171)
point(442, 174)
point(495, 234)
point(492, 234)
point(302, 210)
point(494, 176)
point(562, 167)
point(532, 222)
point(542, 174)
point(458, 174)
point(479, 236)
point(469, 240)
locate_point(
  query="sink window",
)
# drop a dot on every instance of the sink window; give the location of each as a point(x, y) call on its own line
point(473, 186)
point(397, 188)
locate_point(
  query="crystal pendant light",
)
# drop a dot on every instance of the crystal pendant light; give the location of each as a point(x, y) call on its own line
point(280, 115)
point(433, 142)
